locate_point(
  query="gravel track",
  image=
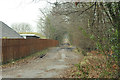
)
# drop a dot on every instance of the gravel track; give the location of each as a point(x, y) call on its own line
point(54, 63)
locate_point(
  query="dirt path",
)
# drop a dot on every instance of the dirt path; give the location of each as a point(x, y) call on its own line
point(54, 63)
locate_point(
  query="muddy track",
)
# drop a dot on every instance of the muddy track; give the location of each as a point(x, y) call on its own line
point(54, 63)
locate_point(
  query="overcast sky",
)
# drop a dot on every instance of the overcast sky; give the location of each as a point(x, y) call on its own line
point(12, 11)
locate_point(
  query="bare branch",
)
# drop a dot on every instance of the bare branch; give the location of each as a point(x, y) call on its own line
point(42, 13)
point(76, 11)
point(87, 9)
point(94, 15)
point(107, 14)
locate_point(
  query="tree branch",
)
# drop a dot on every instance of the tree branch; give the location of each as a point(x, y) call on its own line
point(76, 11)
point(87, 9)
point(107, 14)
point(94, 15)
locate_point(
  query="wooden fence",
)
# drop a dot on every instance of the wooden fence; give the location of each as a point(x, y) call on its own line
point(18, 48)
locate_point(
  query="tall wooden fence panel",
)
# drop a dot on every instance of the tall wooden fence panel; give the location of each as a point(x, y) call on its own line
point(18, 48)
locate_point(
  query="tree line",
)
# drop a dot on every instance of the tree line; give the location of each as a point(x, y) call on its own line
point(90, 26)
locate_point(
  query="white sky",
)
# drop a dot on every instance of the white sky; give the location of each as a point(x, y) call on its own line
point(16, 11)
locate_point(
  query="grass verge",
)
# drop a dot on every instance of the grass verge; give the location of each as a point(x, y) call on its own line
point(24, 60)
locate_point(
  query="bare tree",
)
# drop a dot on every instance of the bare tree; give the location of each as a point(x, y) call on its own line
point(86, 23)
point(52, 26)
point(21, 27)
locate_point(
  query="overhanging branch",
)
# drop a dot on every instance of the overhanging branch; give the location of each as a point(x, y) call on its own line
point(68, 13)
point(87, 9)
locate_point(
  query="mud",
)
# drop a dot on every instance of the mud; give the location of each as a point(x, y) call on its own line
point(54, 63)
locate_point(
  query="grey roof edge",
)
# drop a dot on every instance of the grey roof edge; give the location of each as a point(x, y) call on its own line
point(9, 27)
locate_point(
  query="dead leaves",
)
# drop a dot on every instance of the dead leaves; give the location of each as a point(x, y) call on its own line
point(93, 65)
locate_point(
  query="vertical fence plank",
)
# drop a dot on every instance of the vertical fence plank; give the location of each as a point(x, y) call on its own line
point(18, 48)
